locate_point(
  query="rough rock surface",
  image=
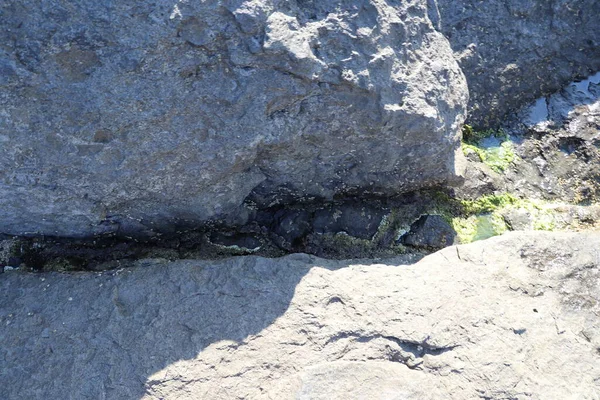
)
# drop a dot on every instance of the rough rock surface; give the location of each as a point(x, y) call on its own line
point(556, 141)
point(121, 117)
point(514, 51)
point(430, 231)
point(511, 317)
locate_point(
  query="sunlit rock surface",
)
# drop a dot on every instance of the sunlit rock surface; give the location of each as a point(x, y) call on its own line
point(511, 317)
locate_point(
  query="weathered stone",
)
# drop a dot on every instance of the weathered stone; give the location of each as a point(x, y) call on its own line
point(518, 219)
point(514, 51)
point(510, 317)
point(430, 231)
point(556, 143)
point(131, 119)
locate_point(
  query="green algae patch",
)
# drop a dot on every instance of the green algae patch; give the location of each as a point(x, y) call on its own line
point(499, 158)
point(479, 227)
point(471, 148)
point(486, 216)
point(494, 148)
point(489, 203)
point(466, 228)
point(472, 220)
point(542, 214)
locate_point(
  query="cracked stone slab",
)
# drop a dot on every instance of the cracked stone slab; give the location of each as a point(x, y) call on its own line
point(514, 316)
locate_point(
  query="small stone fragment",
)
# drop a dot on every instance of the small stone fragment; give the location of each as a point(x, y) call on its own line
point(430, 231)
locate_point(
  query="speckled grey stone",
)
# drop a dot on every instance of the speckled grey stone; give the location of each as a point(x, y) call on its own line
point(515, 316)
point(514, 51)
point(136, 117)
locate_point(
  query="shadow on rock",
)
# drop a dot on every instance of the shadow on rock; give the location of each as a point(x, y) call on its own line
point(101, 335)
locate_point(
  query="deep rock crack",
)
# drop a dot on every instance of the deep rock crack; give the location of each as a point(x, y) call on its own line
point(410, 352)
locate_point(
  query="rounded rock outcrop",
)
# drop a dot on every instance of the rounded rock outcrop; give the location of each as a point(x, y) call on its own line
point(514, 51)
point(135, 118)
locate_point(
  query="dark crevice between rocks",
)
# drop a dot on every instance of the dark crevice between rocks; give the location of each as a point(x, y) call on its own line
point(416, 351)
point(344, 229)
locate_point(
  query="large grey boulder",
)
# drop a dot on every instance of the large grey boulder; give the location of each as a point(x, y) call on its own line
point(511, 317)
point(514, 51)
point(119, 117)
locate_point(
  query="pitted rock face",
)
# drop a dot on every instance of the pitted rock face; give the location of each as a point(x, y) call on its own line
point(514, 51)
point(468, 322)
point(556, 141)
point(132, 118)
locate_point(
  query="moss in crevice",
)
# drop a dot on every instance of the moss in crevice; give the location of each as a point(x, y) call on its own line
point(341, 245)
point(63, 265)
